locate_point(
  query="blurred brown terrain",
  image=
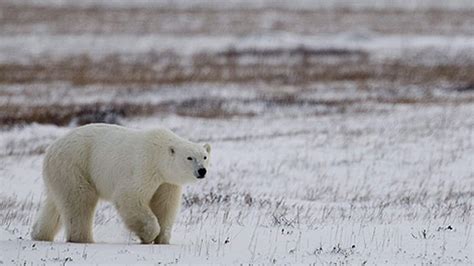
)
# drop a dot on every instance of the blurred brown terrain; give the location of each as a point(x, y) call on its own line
point(62, 81)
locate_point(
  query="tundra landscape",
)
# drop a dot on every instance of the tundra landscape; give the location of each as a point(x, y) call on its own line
point(342, 132)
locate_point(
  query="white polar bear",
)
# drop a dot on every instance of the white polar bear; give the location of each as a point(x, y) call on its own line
point(141, 172)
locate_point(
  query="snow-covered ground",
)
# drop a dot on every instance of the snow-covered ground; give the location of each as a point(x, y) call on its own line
point(379, 187)
point(23, 49)
point(338, 136)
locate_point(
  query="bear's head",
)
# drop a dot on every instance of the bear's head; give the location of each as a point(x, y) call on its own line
point(188, 162)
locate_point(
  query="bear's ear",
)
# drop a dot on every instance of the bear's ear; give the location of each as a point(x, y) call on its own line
point(207, 147)
point(171, 149)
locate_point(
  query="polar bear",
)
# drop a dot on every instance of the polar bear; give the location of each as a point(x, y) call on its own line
point(140, 172)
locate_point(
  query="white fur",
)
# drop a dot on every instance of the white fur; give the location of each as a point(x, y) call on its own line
point(141, 172)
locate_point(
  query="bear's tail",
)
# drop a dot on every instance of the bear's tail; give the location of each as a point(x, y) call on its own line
point(47, 223)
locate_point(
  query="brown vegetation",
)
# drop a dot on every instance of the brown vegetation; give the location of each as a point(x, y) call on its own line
point(292, 66)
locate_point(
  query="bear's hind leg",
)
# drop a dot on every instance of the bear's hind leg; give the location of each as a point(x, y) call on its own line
point(47, 223)
point(77, 212)
point(138, 217)
point(165, 205)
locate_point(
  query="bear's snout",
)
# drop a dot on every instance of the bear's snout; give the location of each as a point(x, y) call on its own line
point(202, 172)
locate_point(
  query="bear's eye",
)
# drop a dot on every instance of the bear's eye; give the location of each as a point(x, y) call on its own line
point(190, 159)
point(205, 157)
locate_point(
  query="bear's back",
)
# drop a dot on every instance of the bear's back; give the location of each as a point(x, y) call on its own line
point(100, 152)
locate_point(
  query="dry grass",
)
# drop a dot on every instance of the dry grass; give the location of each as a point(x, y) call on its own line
point(110, 112)
point(293, 66)
point(210, 108)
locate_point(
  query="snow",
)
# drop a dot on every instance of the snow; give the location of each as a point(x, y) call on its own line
point(24, 49)
point(389, 184)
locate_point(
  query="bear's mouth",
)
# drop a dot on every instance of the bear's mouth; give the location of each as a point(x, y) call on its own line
point(200, 176)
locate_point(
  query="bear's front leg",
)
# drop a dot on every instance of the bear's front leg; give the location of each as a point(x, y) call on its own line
point(165, 205)
point(139, 218)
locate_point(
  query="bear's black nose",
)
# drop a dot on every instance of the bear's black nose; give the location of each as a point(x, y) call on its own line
point(202, 172)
